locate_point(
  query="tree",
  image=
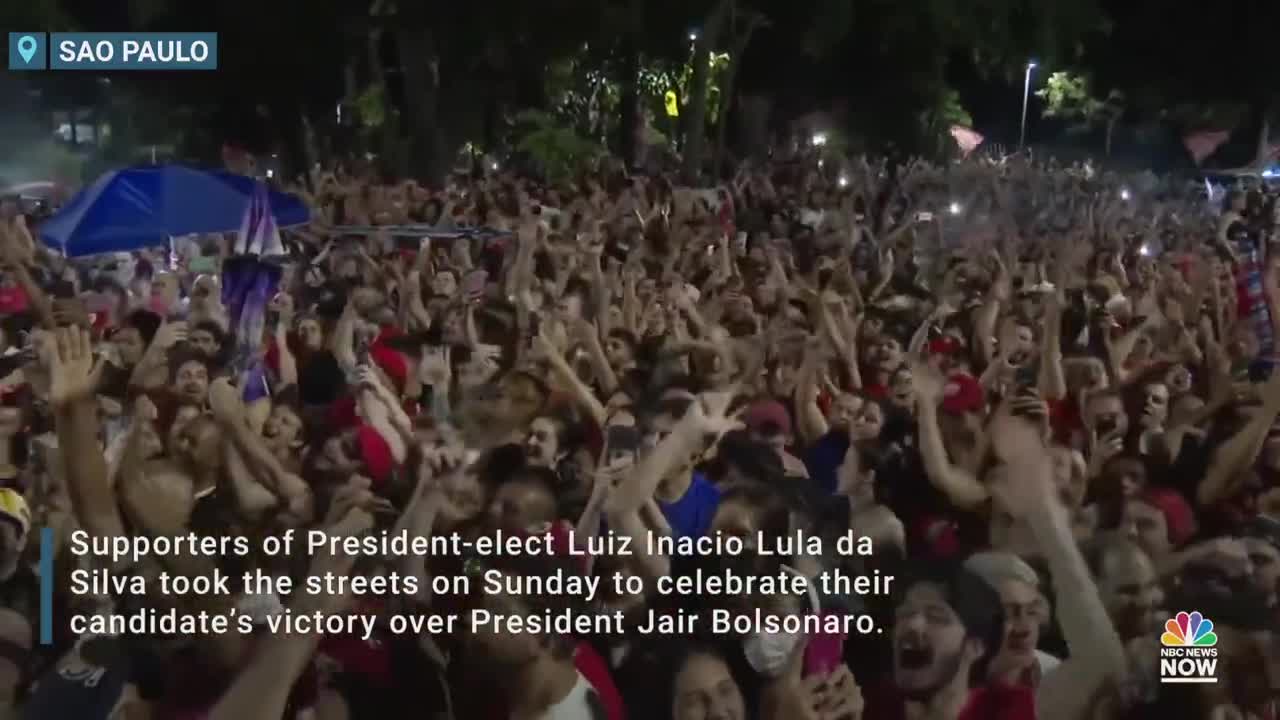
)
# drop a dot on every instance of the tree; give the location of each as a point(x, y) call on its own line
point(742, 25)
point(708, 38)
point(1068, 96)
point(557, 152)
point(936, 122)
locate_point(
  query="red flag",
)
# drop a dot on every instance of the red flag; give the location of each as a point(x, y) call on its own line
point(967, 139)
point(1203, 144)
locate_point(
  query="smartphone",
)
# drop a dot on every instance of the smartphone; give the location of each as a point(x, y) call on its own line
point(1025, 377)
point(823, 654)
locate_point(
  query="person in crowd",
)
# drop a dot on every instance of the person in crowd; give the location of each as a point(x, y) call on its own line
point(1053, 438)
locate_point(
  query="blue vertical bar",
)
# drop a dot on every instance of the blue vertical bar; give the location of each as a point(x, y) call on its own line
point(46, 586)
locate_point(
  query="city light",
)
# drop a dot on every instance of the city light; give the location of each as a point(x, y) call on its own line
point(955, 208)
point(1124, 194)
point(844, 181)
point(1144, 250)
point(819, 139)
point(693, 35)
point(494, 167)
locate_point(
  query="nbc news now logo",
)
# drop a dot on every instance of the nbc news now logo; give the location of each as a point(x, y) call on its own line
point(1189, 653)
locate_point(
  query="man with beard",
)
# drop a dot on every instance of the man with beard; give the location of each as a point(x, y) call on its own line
point(537, 675)
point(947, 626)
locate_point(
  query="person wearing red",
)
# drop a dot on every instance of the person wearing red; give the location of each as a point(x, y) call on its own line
point(948, 625)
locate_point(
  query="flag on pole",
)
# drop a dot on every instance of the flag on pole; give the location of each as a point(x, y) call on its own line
point(968, 140)
point(258, 232)
point(248, 283)
point(1201, 145)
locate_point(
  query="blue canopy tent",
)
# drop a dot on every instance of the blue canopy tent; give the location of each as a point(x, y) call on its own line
point(144, 206)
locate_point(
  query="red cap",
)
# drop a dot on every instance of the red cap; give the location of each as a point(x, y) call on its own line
point(939, 535)
point(945, 346)
point(768, 412)
point(13, 300)
point(343, 413)
point(963, 394)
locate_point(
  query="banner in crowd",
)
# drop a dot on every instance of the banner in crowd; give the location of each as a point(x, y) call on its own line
point(259, 234)
point(431, 231)
point(1203, 144)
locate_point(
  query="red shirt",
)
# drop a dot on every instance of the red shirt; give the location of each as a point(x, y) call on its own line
point(989, 702)
point(595, 671)
point(1064, 419)
point(876, 391)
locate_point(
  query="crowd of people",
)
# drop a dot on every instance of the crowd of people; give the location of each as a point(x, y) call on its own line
point(1044, 393)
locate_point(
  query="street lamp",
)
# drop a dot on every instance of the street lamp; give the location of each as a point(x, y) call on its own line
point(1026, 95)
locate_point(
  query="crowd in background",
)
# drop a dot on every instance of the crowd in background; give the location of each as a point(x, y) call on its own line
point(1044, 392)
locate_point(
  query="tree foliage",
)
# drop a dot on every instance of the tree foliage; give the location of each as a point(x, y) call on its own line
point(1069, 96)
point(555, 150)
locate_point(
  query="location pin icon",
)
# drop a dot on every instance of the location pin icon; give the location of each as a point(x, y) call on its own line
point(26, 48)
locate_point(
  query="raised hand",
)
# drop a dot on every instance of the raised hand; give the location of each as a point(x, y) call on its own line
point(225, 401)
point(710, 413)
point(842, 697)
point(928, 382)
point(72, 372)
point(1024, 480)
point(434, 369)
point(170, 334)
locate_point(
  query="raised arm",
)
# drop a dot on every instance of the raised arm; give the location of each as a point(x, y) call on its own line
point(72, 379)
point(960, 485)
point(1239, 451)
point(563, 372)
point(228, 409)
point(1025, 488)
point(288, 363)
point(261, 689)
point(708, 415)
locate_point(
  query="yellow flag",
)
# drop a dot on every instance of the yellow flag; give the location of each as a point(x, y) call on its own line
point(673, 104)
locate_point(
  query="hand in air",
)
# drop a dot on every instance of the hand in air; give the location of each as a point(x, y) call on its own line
point(72, 372)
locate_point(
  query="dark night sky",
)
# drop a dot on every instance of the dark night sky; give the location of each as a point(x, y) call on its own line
point(1184, 48)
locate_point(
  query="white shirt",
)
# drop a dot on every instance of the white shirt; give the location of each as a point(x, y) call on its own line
point(579, 704)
